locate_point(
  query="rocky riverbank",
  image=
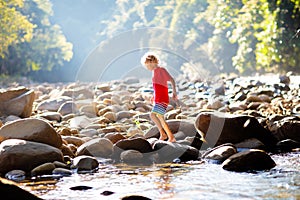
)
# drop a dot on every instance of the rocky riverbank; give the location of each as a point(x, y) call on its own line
point(62, 129)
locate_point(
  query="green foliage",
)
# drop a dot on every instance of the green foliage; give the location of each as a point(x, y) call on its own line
point(15, 27)
point(261, 30)
point(46, 48)
point(231, 35)
point(235, 35)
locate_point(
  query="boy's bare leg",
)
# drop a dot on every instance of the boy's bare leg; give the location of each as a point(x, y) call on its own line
point(157, 122)
point(166, 128)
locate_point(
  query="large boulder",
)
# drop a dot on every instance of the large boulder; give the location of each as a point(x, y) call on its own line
point(286, 128)
point(220, 128)
point(18, 102)
point(138, 144)
point(11, 190)
point(31, 129)
point(26, 155)
point(251, 160)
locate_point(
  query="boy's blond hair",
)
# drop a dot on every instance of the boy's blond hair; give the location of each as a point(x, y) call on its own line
point(149, 57)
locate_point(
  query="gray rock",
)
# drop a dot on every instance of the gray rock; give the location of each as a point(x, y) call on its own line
point(43, 169)
point(99, 147)
point(62, 171)
point(251, 143)
point(31, 129)
point(251, 160)
point(131, 156)
point(85, 163)
point(220, 153)
point(52, 104)
point(138, 144)
point(18, 102)
point(26, 155)
point(16, 175)
point(219, 128)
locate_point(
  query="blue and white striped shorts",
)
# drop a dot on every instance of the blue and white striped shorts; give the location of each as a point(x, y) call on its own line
point(159, 108)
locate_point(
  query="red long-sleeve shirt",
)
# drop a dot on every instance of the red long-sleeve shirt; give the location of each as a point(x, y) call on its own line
point(160, 78)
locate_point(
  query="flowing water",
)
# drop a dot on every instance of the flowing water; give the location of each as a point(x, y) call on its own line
point(196, 180)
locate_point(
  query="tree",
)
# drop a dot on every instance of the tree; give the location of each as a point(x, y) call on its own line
point(15, 27)
point(46, 49)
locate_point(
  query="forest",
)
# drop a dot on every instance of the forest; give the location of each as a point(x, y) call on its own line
point(48, 40)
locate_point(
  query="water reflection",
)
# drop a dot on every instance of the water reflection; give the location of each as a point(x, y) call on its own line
point(180, 181)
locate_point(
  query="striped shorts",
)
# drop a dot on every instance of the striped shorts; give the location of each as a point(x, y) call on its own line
point(159, 108)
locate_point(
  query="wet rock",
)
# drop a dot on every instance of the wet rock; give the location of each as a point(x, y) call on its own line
point(60, 165)
point(43, 169)
point(138, 144)
point(106, 193)
point(85, 163)
point(220, 153)
point(62, 171)
point(251, 143)
point(18, 102)
point(81, 187)
point(131, 156)
point(10, 191)
point(16, 175)
point(286, 128)
point(31, 129)
point(251, 160)
point(195, 142)
point(168, 151)
point(99, 147)
point(189, 153)
point(26, 155)
point(287, 145)
point(219, 128)
point(135, 197)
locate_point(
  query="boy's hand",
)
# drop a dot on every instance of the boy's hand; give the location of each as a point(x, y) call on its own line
point(175, 96)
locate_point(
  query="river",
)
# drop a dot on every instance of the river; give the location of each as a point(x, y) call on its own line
point(195, 180)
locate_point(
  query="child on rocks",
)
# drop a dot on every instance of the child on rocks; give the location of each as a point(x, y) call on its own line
point(160, 78)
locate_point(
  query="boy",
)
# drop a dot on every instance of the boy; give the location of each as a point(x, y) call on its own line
point(160, 78)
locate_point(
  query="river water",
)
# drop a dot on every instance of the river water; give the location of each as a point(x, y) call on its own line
point(195, 180)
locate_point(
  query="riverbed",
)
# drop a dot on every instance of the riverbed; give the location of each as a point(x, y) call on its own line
point(194, 180)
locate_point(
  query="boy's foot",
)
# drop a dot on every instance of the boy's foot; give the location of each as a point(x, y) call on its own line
point(171, 140)
point(163, 137)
